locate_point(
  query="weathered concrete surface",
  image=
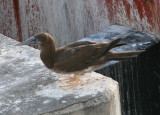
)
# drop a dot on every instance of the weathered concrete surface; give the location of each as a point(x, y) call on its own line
point(71, 20)
point(66, 20)
point(28, 88)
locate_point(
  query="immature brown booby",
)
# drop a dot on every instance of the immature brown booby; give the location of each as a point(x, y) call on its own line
point(78, 57)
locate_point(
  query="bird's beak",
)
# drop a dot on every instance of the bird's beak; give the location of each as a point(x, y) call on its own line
point(29, 41)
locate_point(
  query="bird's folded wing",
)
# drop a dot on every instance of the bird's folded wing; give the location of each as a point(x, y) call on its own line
point(79, 43)
point(79, 58)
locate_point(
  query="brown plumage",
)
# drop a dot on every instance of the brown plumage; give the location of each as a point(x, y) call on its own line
point(78, 57)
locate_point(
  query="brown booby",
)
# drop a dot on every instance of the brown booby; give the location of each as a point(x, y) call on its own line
point(77, 58)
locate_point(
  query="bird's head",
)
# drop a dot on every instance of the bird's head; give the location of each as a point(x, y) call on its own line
point(41, 39)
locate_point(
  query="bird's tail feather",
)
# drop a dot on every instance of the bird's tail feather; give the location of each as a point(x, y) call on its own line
point(114, 44)
point(125, 55)
point(117, 45)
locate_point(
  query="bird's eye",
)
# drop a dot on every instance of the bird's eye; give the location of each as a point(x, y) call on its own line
point(34, 40)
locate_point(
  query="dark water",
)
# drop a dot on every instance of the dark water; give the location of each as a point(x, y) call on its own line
point(139, 82)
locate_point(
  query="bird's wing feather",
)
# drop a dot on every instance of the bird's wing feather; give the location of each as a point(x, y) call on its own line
point(79, 43)
point(83, 56)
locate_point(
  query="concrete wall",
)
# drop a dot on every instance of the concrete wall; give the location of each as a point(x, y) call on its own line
point(70, 20)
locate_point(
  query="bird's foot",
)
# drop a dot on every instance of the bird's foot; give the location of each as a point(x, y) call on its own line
point(70, 78)
point(70, 85)
point(71, 82)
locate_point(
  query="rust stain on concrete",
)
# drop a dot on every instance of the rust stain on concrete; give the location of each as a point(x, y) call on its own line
point(17, 18)
point(141, 14)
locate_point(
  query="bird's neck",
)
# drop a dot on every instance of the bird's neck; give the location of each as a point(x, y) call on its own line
point(48, 55)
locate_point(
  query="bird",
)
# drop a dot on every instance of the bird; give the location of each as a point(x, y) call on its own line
point(77, 58)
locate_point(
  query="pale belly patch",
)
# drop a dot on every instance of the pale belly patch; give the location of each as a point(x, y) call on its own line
point(81, 72)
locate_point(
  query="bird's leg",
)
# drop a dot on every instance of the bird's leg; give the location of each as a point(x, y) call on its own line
point(69, 79)
point(75, 81)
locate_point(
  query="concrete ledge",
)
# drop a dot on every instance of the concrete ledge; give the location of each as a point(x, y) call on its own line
point(27, 87)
